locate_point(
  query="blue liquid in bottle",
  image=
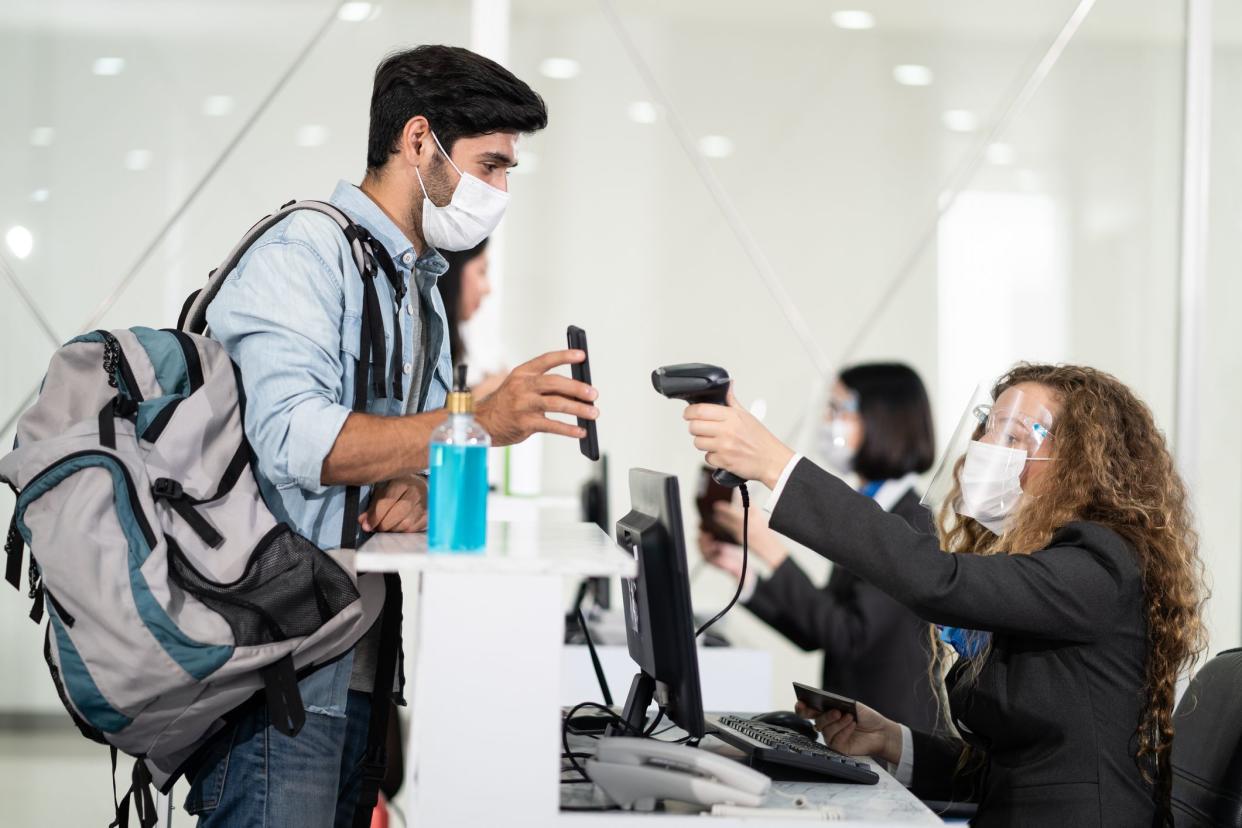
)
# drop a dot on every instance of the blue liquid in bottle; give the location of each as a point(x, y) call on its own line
point(457, 493)
point(458, 497)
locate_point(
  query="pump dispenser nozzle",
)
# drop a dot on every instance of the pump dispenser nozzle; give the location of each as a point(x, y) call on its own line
point(460, 400)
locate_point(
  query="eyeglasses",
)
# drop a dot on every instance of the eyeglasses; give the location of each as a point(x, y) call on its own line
point(1012, 429)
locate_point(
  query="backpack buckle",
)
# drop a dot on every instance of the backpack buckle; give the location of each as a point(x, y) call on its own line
point(167, 488)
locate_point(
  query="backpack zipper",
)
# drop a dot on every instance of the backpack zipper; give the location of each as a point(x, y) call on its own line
point(114, 358)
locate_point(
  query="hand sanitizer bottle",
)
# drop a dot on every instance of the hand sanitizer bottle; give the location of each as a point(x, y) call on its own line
point(458, 488)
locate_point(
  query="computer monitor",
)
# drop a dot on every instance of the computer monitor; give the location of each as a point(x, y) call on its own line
point(595, 510)
point(659, 622)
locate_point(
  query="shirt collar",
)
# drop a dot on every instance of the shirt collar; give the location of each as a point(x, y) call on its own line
point(429, 267)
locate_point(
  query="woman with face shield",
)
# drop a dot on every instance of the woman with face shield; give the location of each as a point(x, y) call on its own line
point(876, 431)
point(1065, 581)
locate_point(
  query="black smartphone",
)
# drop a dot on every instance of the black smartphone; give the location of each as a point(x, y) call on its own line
point(582, 373)
point(709, 494)
point(822, 700)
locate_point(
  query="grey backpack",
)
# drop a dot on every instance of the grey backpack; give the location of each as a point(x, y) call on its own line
point(173, 594)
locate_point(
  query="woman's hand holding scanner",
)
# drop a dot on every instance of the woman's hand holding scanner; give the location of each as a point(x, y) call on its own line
point(519, 407)
point(869, 735)
point(734, 439)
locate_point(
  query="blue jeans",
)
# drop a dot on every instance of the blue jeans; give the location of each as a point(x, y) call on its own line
point(256, 777)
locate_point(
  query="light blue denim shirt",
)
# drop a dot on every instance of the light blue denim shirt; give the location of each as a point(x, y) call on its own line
point(290, 317)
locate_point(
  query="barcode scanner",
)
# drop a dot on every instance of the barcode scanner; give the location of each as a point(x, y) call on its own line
point(697, 382)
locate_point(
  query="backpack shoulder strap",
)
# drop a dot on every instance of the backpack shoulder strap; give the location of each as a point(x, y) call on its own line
point(194, 314)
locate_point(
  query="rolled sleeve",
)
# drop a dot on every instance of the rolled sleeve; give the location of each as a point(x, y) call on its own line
point(279, 317)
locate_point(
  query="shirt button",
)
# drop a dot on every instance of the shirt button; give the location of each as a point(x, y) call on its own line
point(409, 309)
point(407, 259)
point(408, 367)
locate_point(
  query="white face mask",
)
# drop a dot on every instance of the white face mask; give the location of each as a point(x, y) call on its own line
point(834, 446)
point(469, 217)
point(991, 484)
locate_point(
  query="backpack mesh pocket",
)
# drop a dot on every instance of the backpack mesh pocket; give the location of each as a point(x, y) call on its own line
point(289, 589)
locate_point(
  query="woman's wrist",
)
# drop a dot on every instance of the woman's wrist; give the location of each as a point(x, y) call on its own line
point(892, 743)
point(773, 555)
point(780, 459)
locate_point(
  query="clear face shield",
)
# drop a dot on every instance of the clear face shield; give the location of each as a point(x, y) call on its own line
point(980, 475)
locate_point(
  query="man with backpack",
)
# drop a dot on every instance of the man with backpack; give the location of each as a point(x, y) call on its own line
point(444, 127)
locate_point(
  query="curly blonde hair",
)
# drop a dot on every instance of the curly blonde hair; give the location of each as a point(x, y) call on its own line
point(1115, 470)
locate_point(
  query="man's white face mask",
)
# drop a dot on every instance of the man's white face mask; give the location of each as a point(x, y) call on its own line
point(472, 214)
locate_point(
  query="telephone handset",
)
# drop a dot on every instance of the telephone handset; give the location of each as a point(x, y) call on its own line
point(636, 773)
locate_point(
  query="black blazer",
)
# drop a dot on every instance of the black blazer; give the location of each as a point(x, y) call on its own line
point(875, 650)
point(1053, 715)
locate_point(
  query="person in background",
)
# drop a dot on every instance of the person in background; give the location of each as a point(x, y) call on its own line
point(877, 428)
point(1066, 580)
point(463, 287)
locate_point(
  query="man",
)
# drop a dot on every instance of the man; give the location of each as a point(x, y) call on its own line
point(443, 134)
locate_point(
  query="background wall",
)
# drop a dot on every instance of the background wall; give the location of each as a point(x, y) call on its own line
point(900, 227)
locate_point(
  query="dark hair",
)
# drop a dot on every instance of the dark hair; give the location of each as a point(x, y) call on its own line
point(450, 292)
point(898, 436)
point(460, 94)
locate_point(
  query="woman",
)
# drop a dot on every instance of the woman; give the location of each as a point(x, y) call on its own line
point(878, 427)
point(463, 287)
point(1071, 588)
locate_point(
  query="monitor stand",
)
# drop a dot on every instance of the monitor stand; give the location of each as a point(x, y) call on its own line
point(642, 691)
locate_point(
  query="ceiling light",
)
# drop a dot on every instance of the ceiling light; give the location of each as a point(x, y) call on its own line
point(559, 68)
point(357, 12)
point(912, 74)
point(311, 135)
point(108, 66)
point(137, 160)
point(1000, 154)
point(853, 19)
point(19, 241)
point(716, 146)
point(40, 195)
point(217, 105)
point(642, 112)
point(42, 136)
point(960, 120)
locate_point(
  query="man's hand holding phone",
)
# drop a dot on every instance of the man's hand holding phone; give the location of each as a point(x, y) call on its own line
point(519, 407)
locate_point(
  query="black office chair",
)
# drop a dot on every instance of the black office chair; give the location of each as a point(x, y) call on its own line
point(1207, 747)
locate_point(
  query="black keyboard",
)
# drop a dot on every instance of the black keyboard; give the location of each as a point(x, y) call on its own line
point(787, 755)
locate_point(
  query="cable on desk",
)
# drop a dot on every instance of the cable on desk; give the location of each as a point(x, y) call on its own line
point(565, 730)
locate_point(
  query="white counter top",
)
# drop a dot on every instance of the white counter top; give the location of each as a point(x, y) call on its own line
point(580, 549)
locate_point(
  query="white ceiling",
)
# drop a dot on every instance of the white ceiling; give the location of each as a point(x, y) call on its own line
point(1123, 19)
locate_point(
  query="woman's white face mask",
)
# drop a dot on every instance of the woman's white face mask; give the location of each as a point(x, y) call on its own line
point(991, 484)
point(472, 214)
point(834, 445)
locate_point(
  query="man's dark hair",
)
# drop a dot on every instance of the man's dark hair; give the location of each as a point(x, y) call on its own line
point(898, 436)
point(461, 94)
